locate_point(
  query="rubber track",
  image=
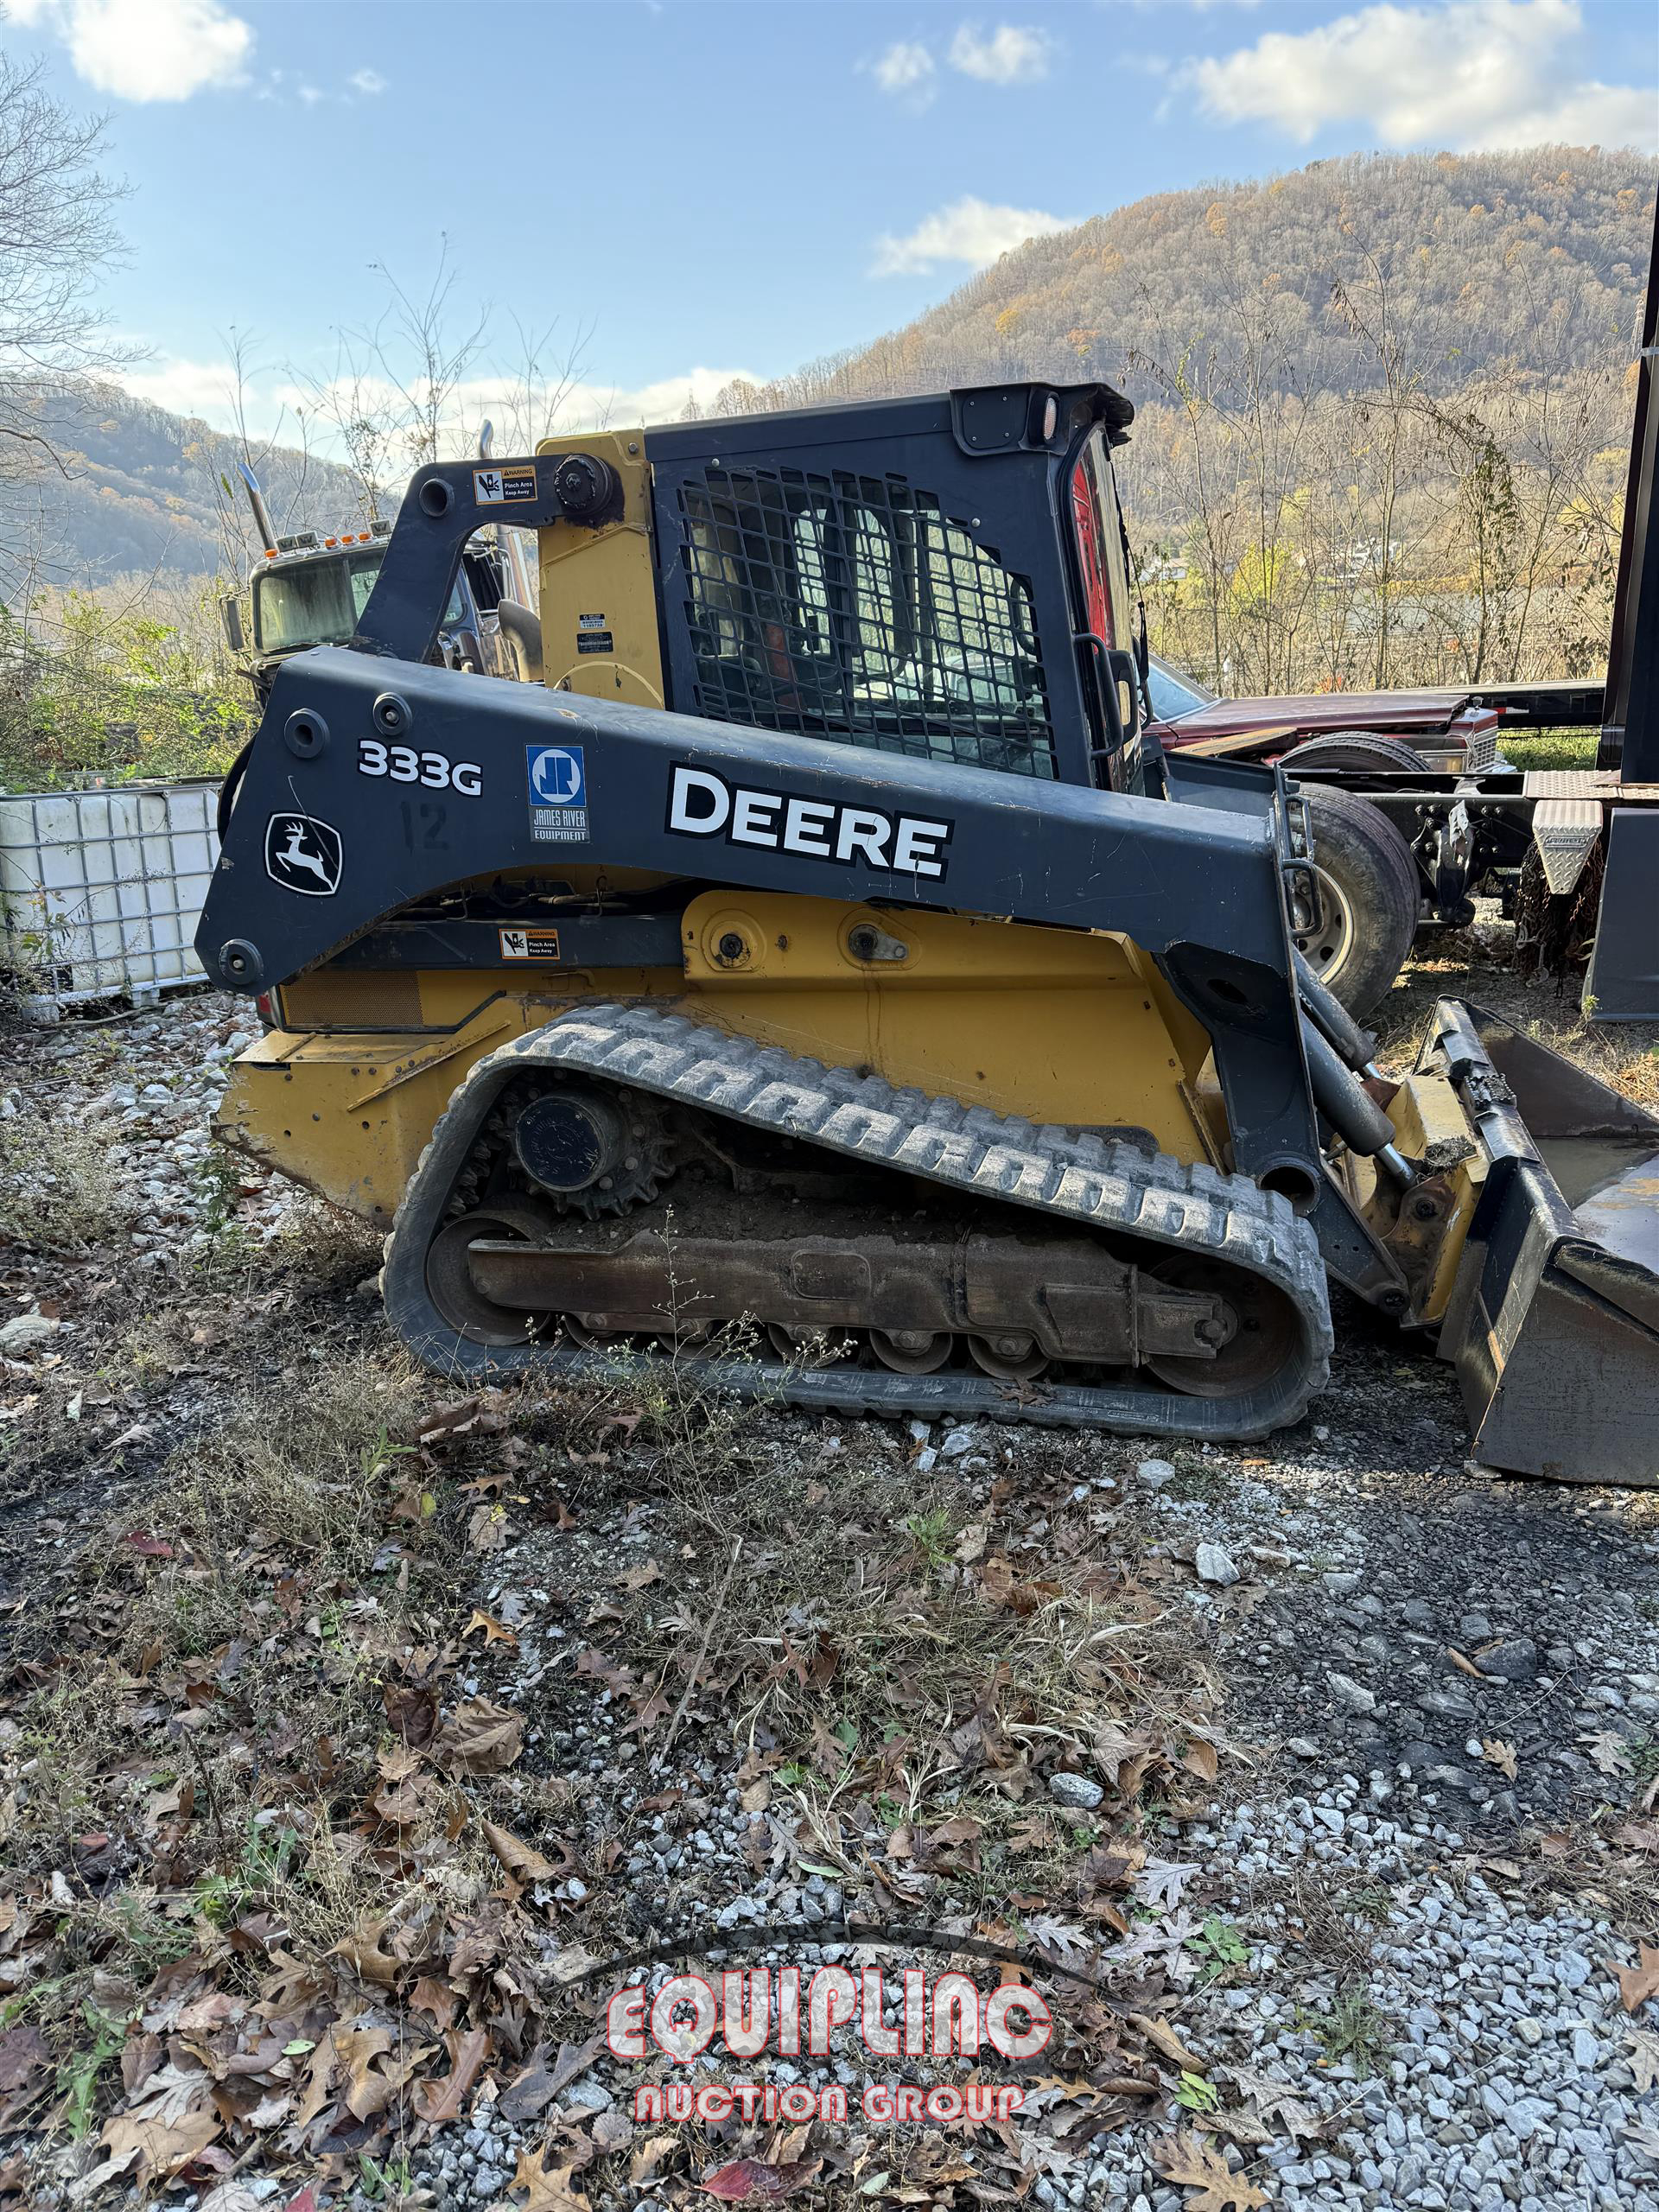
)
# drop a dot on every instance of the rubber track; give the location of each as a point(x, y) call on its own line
point(1100, 1184)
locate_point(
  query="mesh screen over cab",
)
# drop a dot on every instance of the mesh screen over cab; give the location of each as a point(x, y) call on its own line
point(852, 607)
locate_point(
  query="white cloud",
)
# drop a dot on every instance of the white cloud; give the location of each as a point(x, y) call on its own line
point(905, 67)
point(199, 388)
point(368, 81)
point(1474, 74)
point(1008, 56)
point(969, 230)
point(594, 406)
point(145, 49)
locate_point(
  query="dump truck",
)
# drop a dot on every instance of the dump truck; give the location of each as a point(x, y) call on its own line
point(824, 981)
point(308, 589)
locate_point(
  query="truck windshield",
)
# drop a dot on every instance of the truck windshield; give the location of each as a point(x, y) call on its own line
point(1172, 693)
point(313, 602)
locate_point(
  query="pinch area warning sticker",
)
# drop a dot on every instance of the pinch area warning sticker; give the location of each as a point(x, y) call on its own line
point(494, 488)
point(529, 944)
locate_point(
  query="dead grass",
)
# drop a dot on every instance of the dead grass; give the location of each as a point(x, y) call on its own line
point(894, 1654)
point(252, 1602)
point(58, 1191)
point(1475, 965)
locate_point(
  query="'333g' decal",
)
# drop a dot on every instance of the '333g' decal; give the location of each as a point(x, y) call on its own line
point(404, 766)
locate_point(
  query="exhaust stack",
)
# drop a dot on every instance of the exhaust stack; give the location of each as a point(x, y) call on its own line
point(262, 521)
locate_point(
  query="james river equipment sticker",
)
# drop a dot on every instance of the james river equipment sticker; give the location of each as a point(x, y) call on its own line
point(558, 793)
point(529, 944)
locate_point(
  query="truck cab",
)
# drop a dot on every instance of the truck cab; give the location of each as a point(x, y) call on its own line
point(310, 591)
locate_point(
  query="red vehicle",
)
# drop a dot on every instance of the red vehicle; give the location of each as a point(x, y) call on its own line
point(1450, 732)
point(1400, 834)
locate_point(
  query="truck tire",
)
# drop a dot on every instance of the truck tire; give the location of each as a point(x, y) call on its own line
point(1370, 894)
point(1365, 750)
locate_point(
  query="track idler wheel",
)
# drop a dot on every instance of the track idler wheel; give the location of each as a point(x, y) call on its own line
point(805, 1348)
point(1261, 1337)
point(449, 1278)
point(583, 1329)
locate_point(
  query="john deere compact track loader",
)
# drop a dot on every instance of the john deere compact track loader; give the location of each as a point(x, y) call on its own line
point(825, 945)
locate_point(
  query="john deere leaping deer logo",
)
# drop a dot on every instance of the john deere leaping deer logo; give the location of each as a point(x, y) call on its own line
point(303, 854)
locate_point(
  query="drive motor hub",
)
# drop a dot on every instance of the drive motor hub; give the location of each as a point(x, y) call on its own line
point(586, 1147)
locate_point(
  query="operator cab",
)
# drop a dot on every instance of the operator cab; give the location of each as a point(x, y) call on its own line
point(944, 578)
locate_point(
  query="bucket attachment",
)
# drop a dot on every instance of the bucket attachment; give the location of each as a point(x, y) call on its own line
point(1553, 1323)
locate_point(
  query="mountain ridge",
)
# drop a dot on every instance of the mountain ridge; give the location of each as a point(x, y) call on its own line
point(1535, 259)
point(140, 493)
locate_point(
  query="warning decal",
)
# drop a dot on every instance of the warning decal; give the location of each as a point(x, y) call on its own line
point(529, 944)
point(493, 487)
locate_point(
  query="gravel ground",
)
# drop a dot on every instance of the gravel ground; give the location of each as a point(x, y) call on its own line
point(1386, 1930)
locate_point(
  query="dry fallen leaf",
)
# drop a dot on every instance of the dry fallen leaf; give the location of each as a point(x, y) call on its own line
point(449, 1424)
point(572, 1962)
point(1644, 2058)
point(1187, 2159)
point(1244, 2127)
point(1200, 1758)
point(534, 2086)
point(1276, 2101)
point(487, 1531)
point(362, 1950)
point(170, 2122)
point(493, 1631)
point(1637, 1983)
point(753, 2181)
point(1465, 1666)
point(230, 2197)
point(551, 2189)
point(478, 1738)
point(1497, 1753)
point(440, 2102)
point(649, 2155)
point(517, 1858)
point(23, 2053)
point(1609, 1753)
point(436, 1999)
point(1163, 2036)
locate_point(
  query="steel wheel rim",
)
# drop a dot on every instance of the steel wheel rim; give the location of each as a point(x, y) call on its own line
point(1326, 949)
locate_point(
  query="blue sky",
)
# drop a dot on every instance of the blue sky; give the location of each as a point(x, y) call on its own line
point(711, 188)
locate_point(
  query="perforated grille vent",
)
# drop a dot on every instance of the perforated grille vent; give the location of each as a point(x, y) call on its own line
point(1481, 752)
point(852, 607)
